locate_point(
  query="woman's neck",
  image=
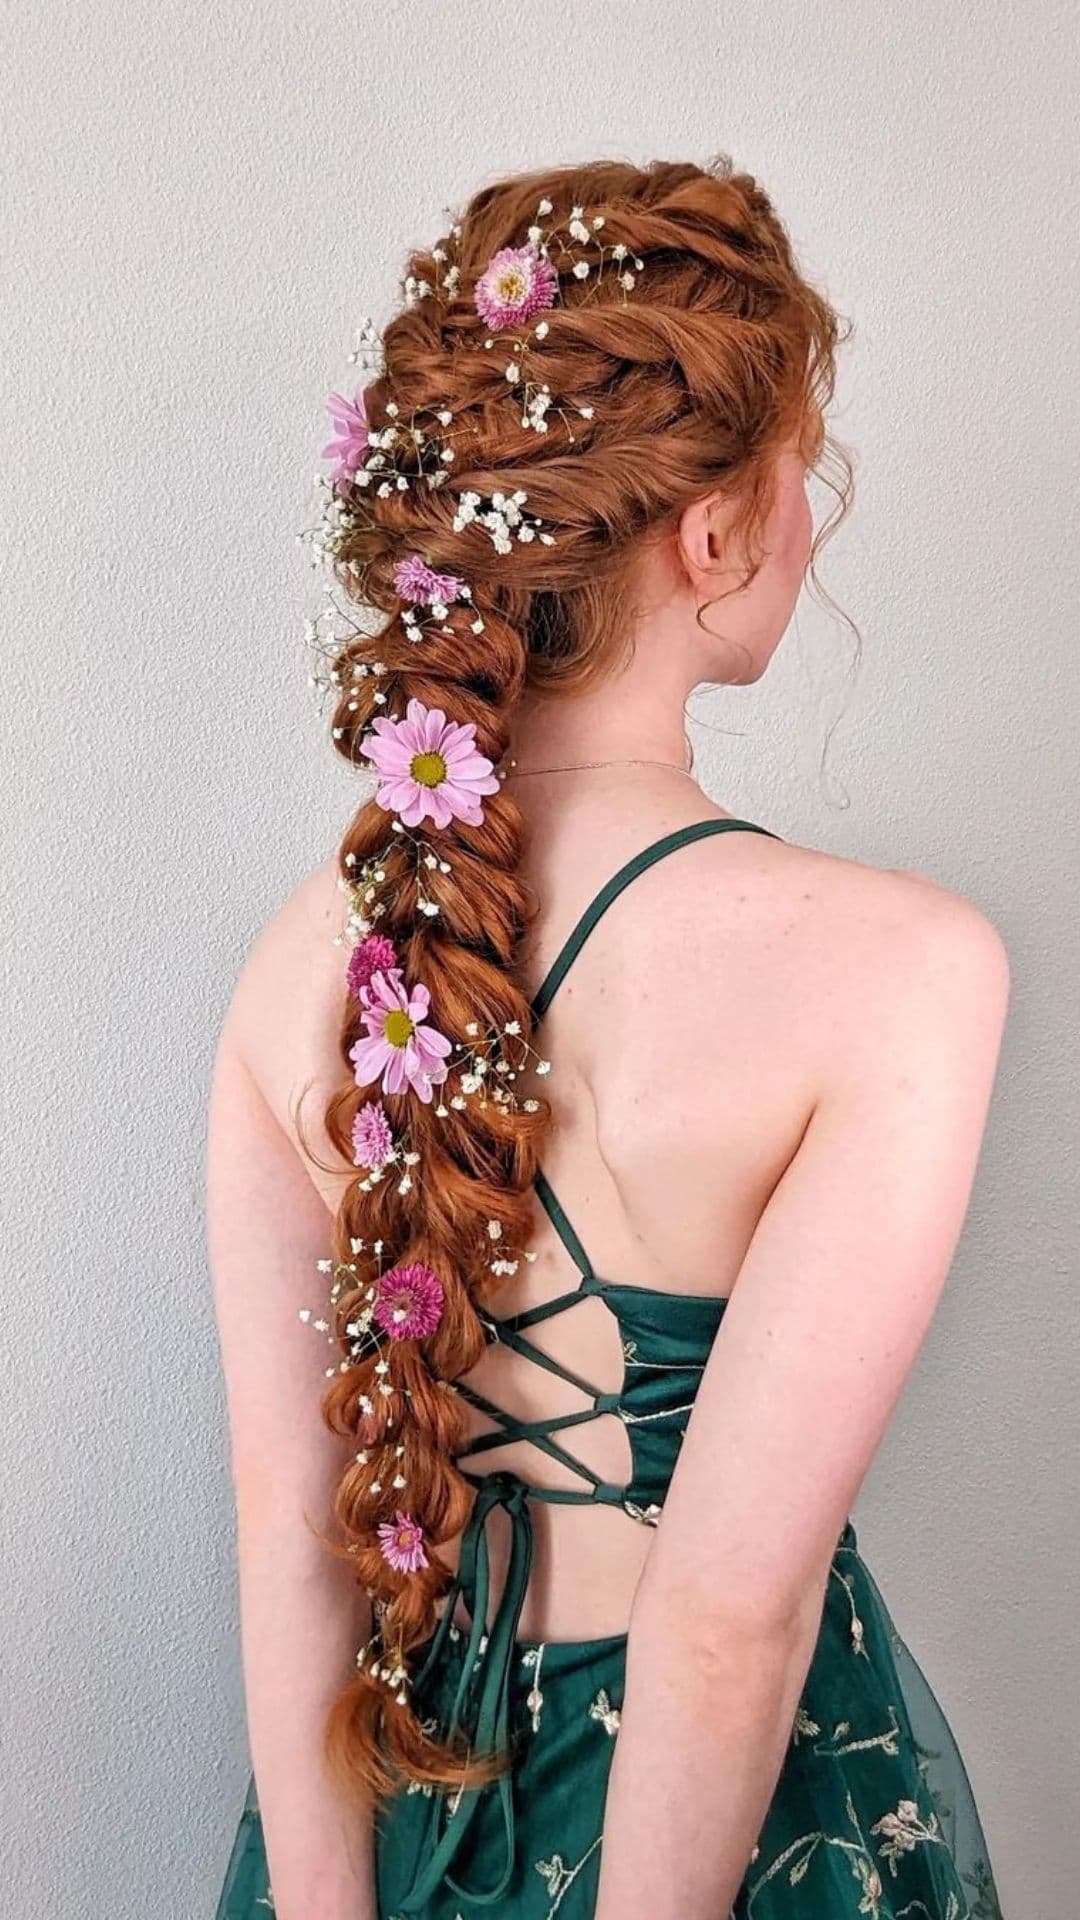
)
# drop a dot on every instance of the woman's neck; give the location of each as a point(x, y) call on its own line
point(638, 715)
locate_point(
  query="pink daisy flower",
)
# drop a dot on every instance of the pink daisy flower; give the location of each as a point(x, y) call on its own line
point(429, 767)
point(401, 1543)
point(514, 285)
point(372, 1139)
point(414, 580)
point(374, 955)
point(350, 441)
point(397, 1044)
point(408, 1302)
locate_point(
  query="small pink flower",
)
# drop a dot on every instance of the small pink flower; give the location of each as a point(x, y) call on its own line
point(429, 767)
point(350, 441)
point(401, 1543)
point(414, 580)
point(397, 1044)
point(514, 285)
point(372, 1139)
point(409, 1302)
point(374, 955)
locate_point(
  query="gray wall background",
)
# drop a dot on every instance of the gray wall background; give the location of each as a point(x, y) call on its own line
point(203, 203)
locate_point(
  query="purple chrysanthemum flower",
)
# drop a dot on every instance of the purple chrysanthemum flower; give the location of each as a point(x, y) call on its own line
point(397, 1045)
point(401, 1543)
point(373, 1142)
point(374, 955)
point(409, 1302)
point(514, 285)
point(429, 767)
point(350, 441)
point(414, 580)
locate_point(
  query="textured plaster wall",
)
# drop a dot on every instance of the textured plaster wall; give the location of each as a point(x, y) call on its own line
point(202, 202)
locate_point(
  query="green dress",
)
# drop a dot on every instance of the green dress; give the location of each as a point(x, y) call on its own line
point(872, 1816)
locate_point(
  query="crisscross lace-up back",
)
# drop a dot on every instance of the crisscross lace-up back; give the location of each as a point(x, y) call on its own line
point(665, 1338)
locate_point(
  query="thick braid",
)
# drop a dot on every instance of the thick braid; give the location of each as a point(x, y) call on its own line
point(475, 1168)
point(646, 339)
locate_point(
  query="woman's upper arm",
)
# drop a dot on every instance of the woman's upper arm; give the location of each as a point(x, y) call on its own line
point(840, 1281)
point(267, 1228)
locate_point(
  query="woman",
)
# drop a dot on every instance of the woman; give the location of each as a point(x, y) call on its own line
point(592, 1433)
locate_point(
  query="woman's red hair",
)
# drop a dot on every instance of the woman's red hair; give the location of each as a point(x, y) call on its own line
point(719, 354)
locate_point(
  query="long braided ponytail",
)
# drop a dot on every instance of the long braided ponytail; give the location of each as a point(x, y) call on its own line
point(584, 353)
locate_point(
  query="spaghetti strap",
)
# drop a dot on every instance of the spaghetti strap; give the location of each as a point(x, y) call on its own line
point(610, 891)
point(563, 1228)
point(564, 960)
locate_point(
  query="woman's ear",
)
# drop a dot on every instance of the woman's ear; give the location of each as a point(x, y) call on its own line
point(704, 533)
point(693, 539)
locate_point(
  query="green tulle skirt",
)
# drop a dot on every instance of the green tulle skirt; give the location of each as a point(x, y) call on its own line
point(872, 1818)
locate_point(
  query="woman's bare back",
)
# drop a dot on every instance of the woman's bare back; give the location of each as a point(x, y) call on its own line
point(693, 1037)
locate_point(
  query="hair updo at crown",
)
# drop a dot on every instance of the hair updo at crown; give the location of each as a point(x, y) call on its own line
point(586, 352)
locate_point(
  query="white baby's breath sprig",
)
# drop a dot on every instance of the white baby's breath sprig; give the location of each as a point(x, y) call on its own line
point(365, 886)
point(447, 270)
point(367, 347)
point(343, 1279)
point(535, 396)
point(328, 635)
point(428, 861)
point(563, 245)
point(446, 279)
point(420, 618)
point(574, 250)
point(486, 1066)
point(500, 516)
point(406, 453)
point(358, 1334)
point(414, 289)
point(363, 889)
point(338, 518)
point(399, 1164)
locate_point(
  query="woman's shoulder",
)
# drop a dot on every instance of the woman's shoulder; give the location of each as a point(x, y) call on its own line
point(298, 946)
point(879, 951)
point(822, 944)
point(840, 891)
point(883, 910)
point(284, 1015)
point(817, 894)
